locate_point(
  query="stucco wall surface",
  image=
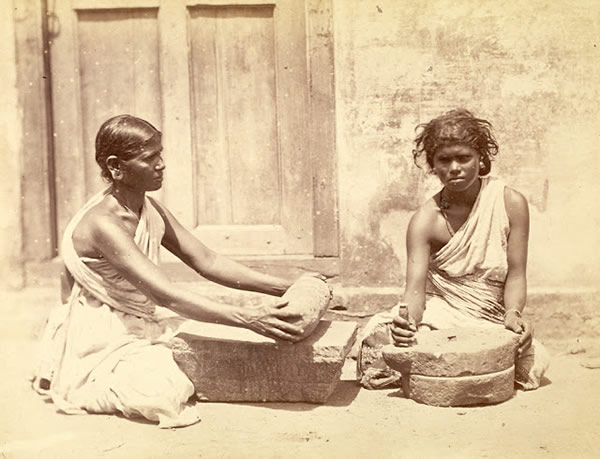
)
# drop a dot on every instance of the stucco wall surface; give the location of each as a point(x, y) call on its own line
point(11, 272)
point(531, 68)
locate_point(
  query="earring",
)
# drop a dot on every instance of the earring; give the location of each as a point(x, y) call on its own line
point(481, 165)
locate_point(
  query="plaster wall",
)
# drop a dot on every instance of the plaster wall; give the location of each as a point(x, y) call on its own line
point(11, 268)
point(531, 68)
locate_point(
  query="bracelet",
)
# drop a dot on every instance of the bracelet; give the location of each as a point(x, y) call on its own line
point(515, 310)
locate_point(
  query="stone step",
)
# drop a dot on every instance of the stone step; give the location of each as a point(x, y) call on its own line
point(455, 352)
point(460, 391)
point(229, 364)
point(556, 313)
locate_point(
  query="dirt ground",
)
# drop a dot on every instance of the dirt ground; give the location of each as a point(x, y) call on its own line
point(559, 420)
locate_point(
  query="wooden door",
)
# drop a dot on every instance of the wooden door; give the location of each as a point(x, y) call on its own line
point(227, 84)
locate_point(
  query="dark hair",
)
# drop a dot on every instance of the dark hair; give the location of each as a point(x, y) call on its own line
point(456, 127)
point(122, 136)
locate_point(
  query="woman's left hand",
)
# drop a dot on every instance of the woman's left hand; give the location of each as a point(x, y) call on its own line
point(513, 322)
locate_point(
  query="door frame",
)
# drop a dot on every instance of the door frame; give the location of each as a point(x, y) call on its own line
point(322, 149)
point(322, 128)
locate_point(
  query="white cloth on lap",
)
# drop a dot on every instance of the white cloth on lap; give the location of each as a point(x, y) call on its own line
point(107, 349)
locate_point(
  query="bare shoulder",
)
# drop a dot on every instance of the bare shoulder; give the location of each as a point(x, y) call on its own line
point(160, 208)
point(172, 225)
point(101, 224)
point(516, 204)
point(176, 238)
point(517, 208)
point(424, 218)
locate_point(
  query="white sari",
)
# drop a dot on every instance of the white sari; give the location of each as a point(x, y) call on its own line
point(107, 349)
point(465, 287)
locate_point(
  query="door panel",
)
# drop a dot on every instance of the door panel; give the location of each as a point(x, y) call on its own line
point(246, 130)
point(235, 115)
point(104, 62)
point(227, 84)
point(118, 68)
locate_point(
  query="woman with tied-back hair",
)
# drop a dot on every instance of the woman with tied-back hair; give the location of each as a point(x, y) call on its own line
point(106, 349)
point(466, 253)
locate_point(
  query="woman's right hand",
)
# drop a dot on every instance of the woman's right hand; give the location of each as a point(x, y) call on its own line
point(403, 331)
point(273, 321)
point(514, 322)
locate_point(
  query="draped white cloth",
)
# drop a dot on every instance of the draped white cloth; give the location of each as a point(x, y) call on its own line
point(107, 349)
point(469, 271)
point(465, 287)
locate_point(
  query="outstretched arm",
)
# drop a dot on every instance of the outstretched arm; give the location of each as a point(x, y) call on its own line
point(515, 287)
point(110, 239)
point(213, 266)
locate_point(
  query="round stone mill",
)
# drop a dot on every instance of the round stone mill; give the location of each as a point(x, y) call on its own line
point(457, 367)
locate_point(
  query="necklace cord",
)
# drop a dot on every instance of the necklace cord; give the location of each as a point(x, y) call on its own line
point(444, 205)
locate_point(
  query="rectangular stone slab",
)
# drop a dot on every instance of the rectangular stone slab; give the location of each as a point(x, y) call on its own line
point(229, 364)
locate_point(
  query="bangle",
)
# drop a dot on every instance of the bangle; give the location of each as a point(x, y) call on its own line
point(515, 310)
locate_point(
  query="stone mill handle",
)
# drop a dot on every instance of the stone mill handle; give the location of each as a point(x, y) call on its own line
point(403, 310)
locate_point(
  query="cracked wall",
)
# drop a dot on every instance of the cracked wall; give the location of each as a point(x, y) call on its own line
point(531, 69)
